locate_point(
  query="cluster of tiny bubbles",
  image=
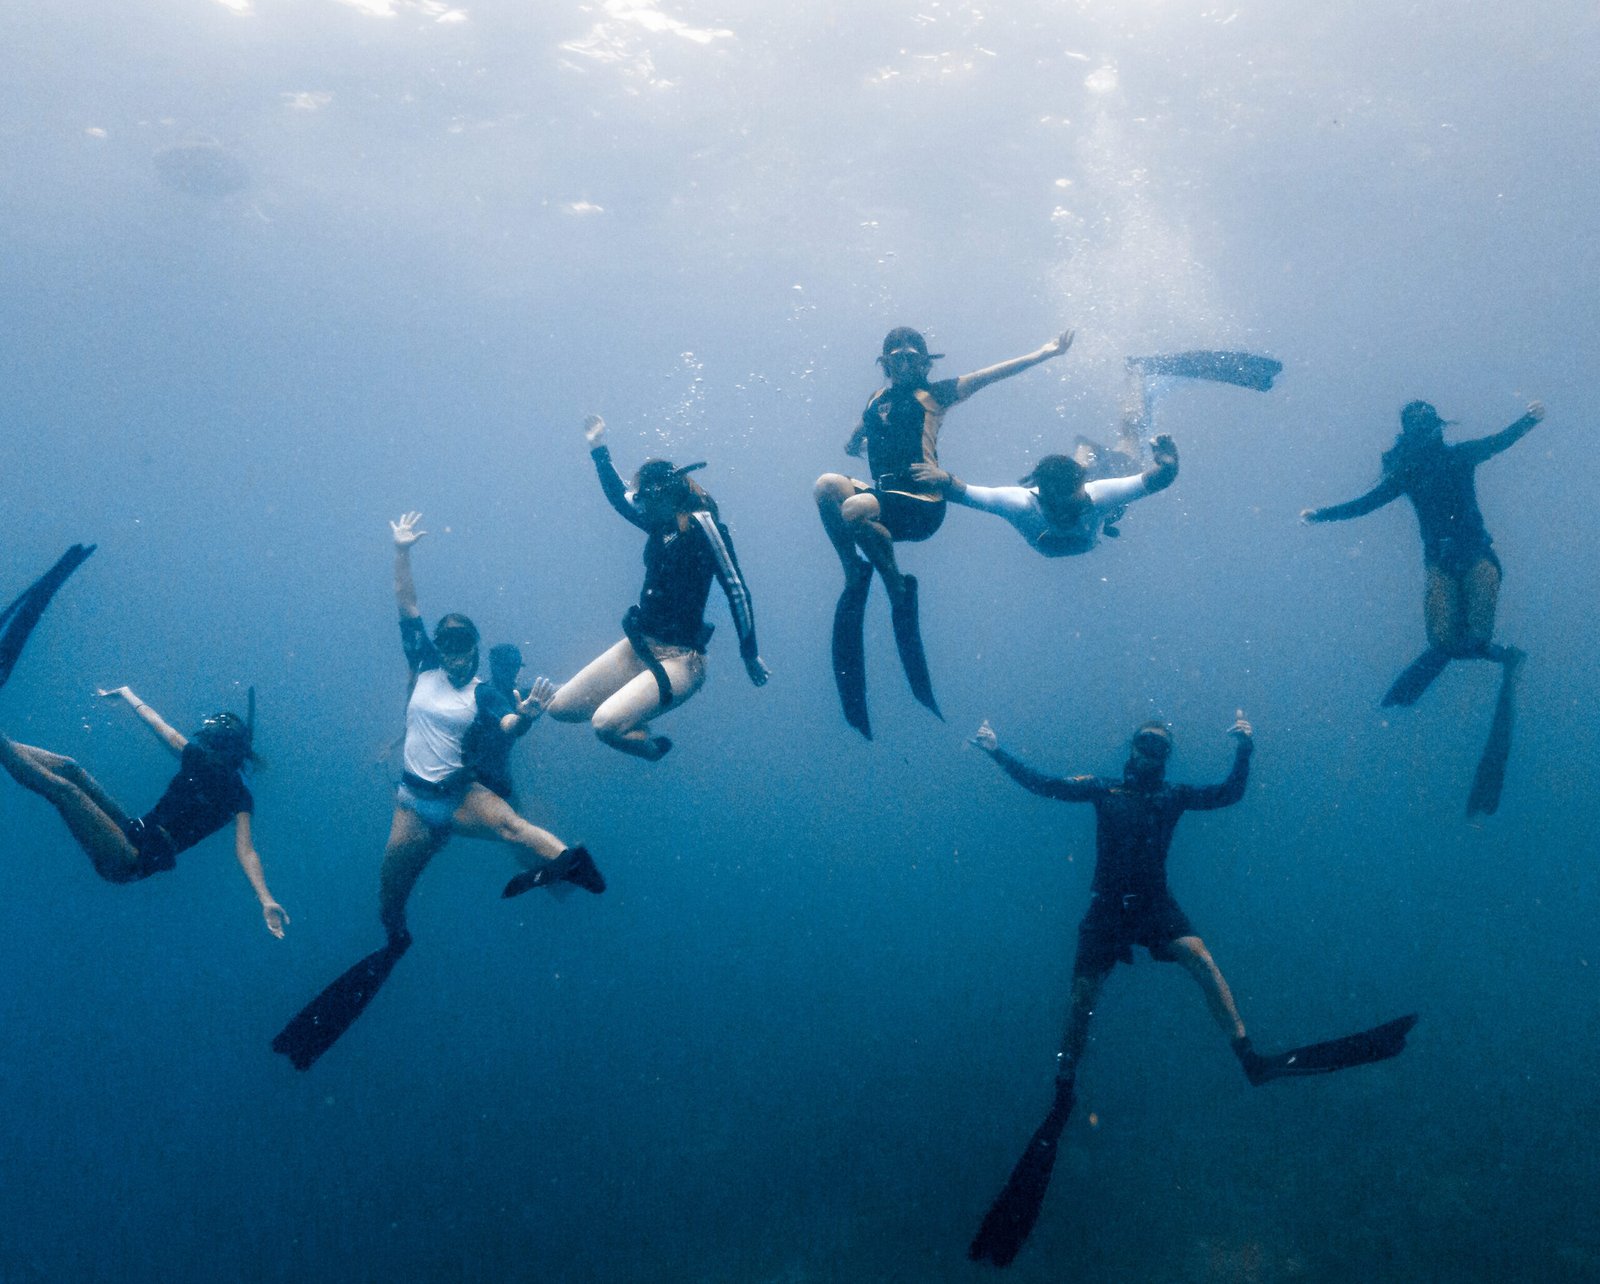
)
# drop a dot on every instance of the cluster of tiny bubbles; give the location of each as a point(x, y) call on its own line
point(687, 412)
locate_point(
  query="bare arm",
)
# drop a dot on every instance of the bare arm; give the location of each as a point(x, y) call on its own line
point(405, 589)
point(163, 730)
point(1383, 493)
point(244, 848)
point(968, 384)
point(1488, 447)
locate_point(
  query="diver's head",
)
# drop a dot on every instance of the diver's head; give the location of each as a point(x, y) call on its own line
point(455, 638)
point(1419, 421)
point(1147, 755)
point(1060, 482)
point(662, 491)
point(226, 736)
point(505, 662)
point(905, 357)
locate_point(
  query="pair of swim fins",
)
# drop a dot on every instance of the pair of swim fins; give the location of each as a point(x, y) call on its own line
point(849, 646)
point(1489, 778)
point(17, 620)
point(1011, 1218)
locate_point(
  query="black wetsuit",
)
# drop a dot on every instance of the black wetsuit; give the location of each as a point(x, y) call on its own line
point(1130, 903)
point(901, 427)
point(679, 565)
point(203, 797)
point(487, 747)
point(1439, 481)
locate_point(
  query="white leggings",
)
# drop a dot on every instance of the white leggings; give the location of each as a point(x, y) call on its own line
point(619, 695)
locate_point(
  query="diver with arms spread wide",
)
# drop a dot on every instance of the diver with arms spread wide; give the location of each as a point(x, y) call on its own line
point(438, 796)
point(1463, 573)
point(899, 429)
point(1130, 904)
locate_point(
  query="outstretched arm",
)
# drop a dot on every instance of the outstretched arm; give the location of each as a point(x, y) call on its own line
point(244, 848)
point(1384, 492)
point(1211, 797)
point(1488, 447)
point(1062, 789)
point(163, 730)
point(405, 588)
point(968, 384)
point(611, 481)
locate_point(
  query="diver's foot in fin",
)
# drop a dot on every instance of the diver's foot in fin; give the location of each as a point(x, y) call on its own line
point(1377, 1044)
point(849, 646)
point(908, 640)
point(318, 1025)
point(574, 865)
point(1490, 777)
point(1417, 678)
point(650, 748)
point(1010, 1219)
point(1242, 369)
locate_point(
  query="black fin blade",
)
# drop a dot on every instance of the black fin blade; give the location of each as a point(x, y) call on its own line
point(1010, 1219)
point(850, 652)
point(318, 1025)
point(908, 641)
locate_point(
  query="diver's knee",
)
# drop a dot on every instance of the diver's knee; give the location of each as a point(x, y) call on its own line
point(831, 488)
point(859, 509)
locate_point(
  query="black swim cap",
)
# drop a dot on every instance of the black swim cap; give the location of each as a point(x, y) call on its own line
point(226, 735)
point(1420, 416)
point(1153, 740)
point(455, 634)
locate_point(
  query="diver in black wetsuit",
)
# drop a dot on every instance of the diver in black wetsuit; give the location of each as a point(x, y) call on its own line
point(1463, 573)
point(661, 660)
point(1131, 905)
point(898, 429)
point(486, 748)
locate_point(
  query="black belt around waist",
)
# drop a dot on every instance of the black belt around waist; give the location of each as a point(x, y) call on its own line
point(634, 632)
point(455, 783)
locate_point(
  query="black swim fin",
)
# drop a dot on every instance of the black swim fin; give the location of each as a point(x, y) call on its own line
point(18, 619)
point(1377, 1044)
point(319, 1024)
point(1417, 678)
point(908, 640)
point(1243, 369)
point(1490, 777)
point(574, 865)
point(849, 647)
point(1010, 1219)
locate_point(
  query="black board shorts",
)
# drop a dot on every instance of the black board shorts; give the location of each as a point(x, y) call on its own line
point(154, 846)
point(1115, 924)
point(907, 518)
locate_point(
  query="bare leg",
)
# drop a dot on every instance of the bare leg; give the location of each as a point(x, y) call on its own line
point(1196, 959)
point(484, 814)
point(623, 721)
point(1480, 592)
point(861, 514)
point(96, 828)
point(832, 491)
point(412, 844)
point(1442, 611)
point(596, 682)
point(1085, 994)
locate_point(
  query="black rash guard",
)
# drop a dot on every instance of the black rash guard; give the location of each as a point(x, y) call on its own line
point(203, 797)
point(679, 565)
point(1133, 826)
point(901, 427)
point(1440, 482)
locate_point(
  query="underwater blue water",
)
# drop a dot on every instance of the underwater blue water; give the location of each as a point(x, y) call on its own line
point(275, 271)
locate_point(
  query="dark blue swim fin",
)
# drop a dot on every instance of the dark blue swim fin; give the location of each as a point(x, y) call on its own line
point(849, 647)
point(574, 865)
point(908, 640)
point(18, 619)
point(1490, 777)
point(319, 1025)
point(1377, 1044)
point(1010, 1219)
point(1417, 678)
point(1243, 369)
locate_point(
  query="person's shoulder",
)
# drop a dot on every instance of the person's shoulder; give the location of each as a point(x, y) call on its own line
point(946, 392)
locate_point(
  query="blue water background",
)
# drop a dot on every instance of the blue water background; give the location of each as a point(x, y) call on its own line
point(807, 1031)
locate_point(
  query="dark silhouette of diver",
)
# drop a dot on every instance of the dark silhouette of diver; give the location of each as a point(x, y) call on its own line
point(1463, 573)
point(1130, 904)
point(899, 429)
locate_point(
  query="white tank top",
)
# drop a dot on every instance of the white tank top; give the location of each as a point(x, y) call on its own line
point(437, 719)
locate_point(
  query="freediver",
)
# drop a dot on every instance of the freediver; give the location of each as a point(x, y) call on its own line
point(208, 791)
point(1462, 572)
point(1131, 904)
point(661, 660)
point(439, 796)
point(899, 428)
